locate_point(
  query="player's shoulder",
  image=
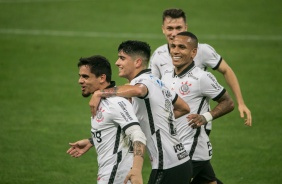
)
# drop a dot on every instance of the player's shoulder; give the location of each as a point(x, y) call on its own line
point(204, 47)
point(205, 75)
point(115, 100)
point(163, 49)
point(198, 72)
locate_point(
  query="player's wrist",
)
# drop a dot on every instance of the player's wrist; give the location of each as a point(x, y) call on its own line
point(98, 94)
point(91, 141)
point(207, 116)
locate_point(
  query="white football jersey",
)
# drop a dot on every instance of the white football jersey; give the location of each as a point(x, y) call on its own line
point(161, 61)
point(196, 87)
point(155, 114)
point(115, 157)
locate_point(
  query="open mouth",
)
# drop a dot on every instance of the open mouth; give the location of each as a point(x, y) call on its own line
point(176, 58)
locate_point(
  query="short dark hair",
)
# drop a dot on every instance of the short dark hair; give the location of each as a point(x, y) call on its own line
point(134, 47)
point(174, 13)
point(194, 38)
point(98, 65)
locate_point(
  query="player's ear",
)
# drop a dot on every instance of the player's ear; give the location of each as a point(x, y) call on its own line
point(194, 52)
point(163, 29)
point(103, 78)
point(138, 62)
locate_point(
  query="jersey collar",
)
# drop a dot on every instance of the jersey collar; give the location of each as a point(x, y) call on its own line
point(190, 67)
point(143, 71)
point(112, 84)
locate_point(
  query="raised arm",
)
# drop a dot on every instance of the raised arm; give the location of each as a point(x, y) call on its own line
point(232, 81)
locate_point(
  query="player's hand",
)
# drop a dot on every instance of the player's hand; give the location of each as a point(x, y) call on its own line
point(79, 148)
point(243, 109)
point(94, 103)
point(196, 120)
point(135, 176)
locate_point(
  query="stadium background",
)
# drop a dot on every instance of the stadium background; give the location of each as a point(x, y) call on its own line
point(41, 104)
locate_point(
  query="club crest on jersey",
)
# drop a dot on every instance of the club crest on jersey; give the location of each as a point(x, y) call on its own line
point(99, 115)
point(184, 89)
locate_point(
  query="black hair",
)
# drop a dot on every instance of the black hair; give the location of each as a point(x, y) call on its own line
point(174, 13)
point(98, 65)
point(194, 38)
point(133, 48)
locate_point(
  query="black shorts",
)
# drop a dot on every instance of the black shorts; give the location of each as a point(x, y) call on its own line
point(180, 174)
point(202, 172)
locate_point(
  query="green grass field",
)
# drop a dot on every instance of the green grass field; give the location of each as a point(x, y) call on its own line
point(41, 104)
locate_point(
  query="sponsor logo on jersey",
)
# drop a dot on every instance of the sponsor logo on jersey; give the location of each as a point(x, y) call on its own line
point(168, 71)
point(210, 148)
point(215, 83)
point(184, 88)
point(126, 114)
point(166, 93)
point(190, 74)
point(160, 52)
point(99, 115)
point(180, 148)
point(182, 155)
point(167, 105)
point(157, 81)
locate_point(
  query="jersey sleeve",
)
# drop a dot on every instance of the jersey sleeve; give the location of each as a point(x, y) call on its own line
point(210, 87)
point(123, 113)
point(149, 83)
point(209, 57)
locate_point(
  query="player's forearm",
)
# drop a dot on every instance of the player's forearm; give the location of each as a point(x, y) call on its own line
point(178, 113)
point(224, 106)
point(181, 108)
point(233, 83)
point(139, 151)
point(126, 91)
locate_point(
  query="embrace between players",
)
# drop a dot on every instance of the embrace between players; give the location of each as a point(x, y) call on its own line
point(168, 113)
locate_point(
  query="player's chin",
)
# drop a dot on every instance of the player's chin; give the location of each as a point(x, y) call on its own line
point(176, 63)
point(85, 94)
point(121, 74)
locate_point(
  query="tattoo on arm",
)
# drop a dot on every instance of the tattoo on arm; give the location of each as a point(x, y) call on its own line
point(109, 92)
point(224, 106)
point(139, 148)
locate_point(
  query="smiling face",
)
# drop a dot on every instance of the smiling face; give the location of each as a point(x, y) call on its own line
point(88, 81)
point(172, 26)
point(126, 65)
point(182, 52)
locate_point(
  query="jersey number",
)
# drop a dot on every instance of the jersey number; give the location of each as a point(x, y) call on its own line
point(97, 136)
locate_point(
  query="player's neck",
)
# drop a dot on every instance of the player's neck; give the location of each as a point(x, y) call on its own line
point(104, 85)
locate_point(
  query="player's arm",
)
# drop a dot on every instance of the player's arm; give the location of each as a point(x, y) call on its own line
point(78, 148)
point(232, 81)
point(139, 142)
point(224, 105)
point(180, 107)
point(127, 91)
